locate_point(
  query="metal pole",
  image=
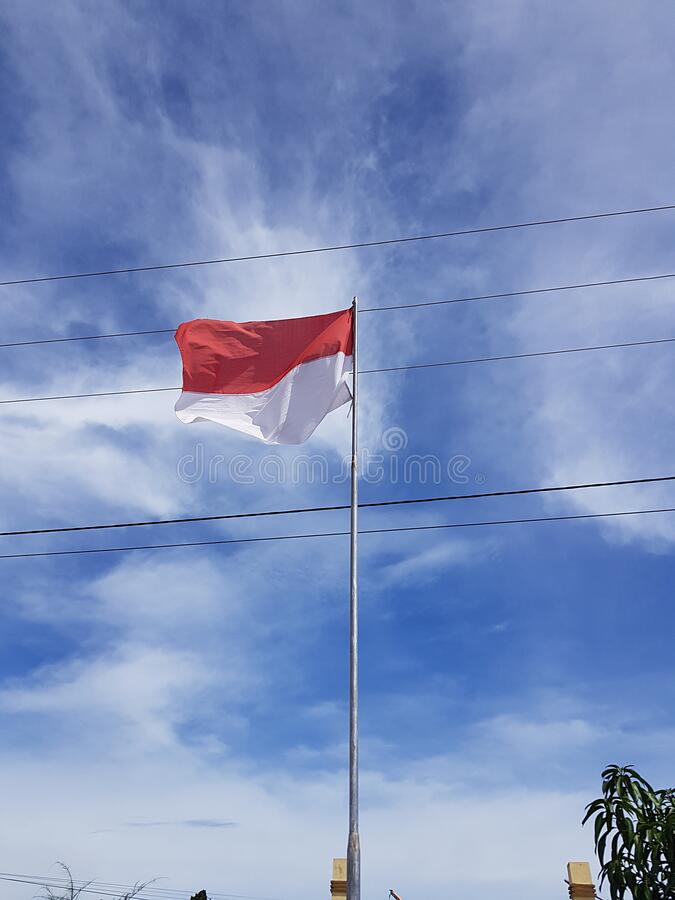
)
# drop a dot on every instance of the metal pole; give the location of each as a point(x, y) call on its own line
point(353, 845)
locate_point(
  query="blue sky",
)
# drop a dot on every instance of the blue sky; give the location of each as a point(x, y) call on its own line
point(501, 667)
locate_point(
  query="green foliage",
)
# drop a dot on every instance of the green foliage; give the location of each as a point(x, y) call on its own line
point(634, 836)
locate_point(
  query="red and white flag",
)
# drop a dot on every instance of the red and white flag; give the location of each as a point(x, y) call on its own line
point(273, 380)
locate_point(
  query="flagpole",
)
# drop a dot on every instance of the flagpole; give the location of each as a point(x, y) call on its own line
point(353, 845)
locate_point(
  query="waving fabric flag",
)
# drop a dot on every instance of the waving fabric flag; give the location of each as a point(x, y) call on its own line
point(273, 380)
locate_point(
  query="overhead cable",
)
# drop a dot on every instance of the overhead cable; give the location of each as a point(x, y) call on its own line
point(320, 509)
point(409, 367)
point(148, 890)
point(352, 246)
point(367, 309)
point(324, 534)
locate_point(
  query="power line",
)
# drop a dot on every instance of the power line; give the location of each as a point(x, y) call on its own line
point(120, 889)
point(147, 891)
point(445, 364)
point(320, 509)
point(99, 394)
point(150, 887)
point(88, 337)
point(64, 886)
point(354, 246)
point(545, 290)
point(368, 309)
point(153, 888)
point(322, 534)
point(485, 359)
point(62, 880)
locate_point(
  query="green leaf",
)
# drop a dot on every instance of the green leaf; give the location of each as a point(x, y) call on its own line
point(634, 835)
point(599, 825)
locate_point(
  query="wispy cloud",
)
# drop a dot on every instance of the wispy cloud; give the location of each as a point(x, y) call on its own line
point(184, 711)
point(183, 823)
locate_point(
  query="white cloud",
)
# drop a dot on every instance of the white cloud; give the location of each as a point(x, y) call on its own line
point(429, 563)
point(555, 111)
point(581, 136)
point(139, 689)
point(417, 834)
point(527, 737)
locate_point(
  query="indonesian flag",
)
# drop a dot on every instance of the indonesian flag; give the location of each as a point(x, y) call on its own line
point(273, 380)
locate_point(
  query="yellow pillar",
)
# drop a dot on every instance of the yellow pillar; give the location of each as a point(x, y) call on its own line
point(338, 884)
point(580, 881)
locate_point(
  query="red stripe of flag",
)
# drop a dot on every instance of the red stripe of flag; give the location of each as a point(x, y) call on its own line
point(247, 357)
